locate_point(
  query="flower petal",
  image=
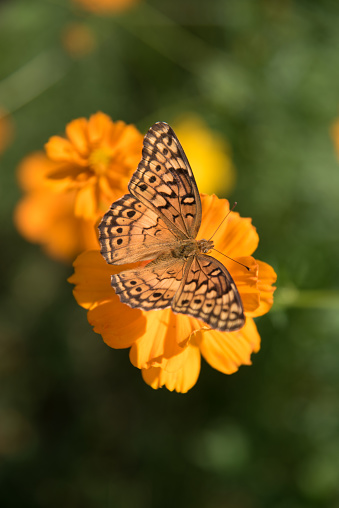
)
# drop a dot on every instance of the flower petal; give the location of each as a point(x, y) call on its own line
point(226, 351)
point(235, 237)
point(240, 237)
point(99, 128)
point(86, 202)
point(246, 281)
point(92, 278)
point(61, 234)
point(110, 193)
point(77, 133)
point(158, 345)
point(34, 170)
point(181, 380)
point(61, 150)
point(266, 279)
point(119, 325)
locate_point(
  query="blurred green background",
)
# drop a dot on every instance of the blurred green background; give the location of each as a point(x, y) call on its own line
point(78, 426)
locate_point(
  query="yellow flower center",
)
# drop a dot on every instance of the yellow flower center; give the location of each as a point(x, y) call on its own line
point(99, 160)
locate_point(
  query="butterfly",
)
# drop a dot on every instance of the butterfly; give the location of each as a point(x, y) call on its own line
point(159, 221)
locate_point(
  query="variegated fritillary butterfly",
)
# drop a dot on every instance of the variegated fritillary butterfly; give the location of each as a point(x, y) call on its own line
point(159, 220)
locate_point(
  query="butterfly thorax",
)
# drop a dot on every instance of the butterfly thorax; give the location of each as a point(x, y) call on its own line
point(191, 247)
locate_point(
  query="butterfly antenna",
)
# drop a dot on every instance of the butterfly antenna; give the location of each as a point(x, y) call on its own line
point(231, 210)
point(247, 267)
point(216, 250)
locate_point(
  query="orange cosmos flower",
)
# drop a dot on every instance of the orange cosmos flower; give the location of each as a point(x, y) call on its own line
point(96, 160)
point(335, 135)
point(46, 214)
point(105, 6)
point(167, 347)
point(6, 130)
point(69, 187)
point(78, 40)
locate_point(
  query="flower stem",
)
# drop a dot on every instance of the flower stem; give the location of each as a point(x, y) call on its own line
point(312, 299)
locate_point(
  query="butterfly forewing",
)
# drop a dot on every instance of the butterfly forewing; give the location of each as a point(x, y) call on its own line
point(131, 232)
point(164, 181)
point(208, 292)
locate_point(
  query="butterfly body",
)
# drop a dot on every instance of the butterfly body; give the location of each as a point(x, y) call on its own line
point(191, 247)
point(159, 221)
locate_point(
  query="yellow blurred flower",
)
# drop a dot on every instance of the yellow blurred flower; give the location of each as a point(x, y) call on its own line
point(105, 6)
point(167, 347)
point(208, 153)
point(69, 187)
point(6, 130)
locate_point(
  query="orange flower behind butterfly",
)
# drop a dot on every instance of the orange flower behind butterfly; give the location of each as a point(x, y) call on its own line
point(78, 40)
point(105, 6)
point(69, 187)
point(167, 347)
point(6, 130)
point(335, 135)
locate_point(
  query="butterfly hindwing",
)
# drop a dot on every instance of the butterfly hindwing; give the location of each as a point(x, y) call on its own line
point(209, 293)
point(151, 287)
point(164, 181)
